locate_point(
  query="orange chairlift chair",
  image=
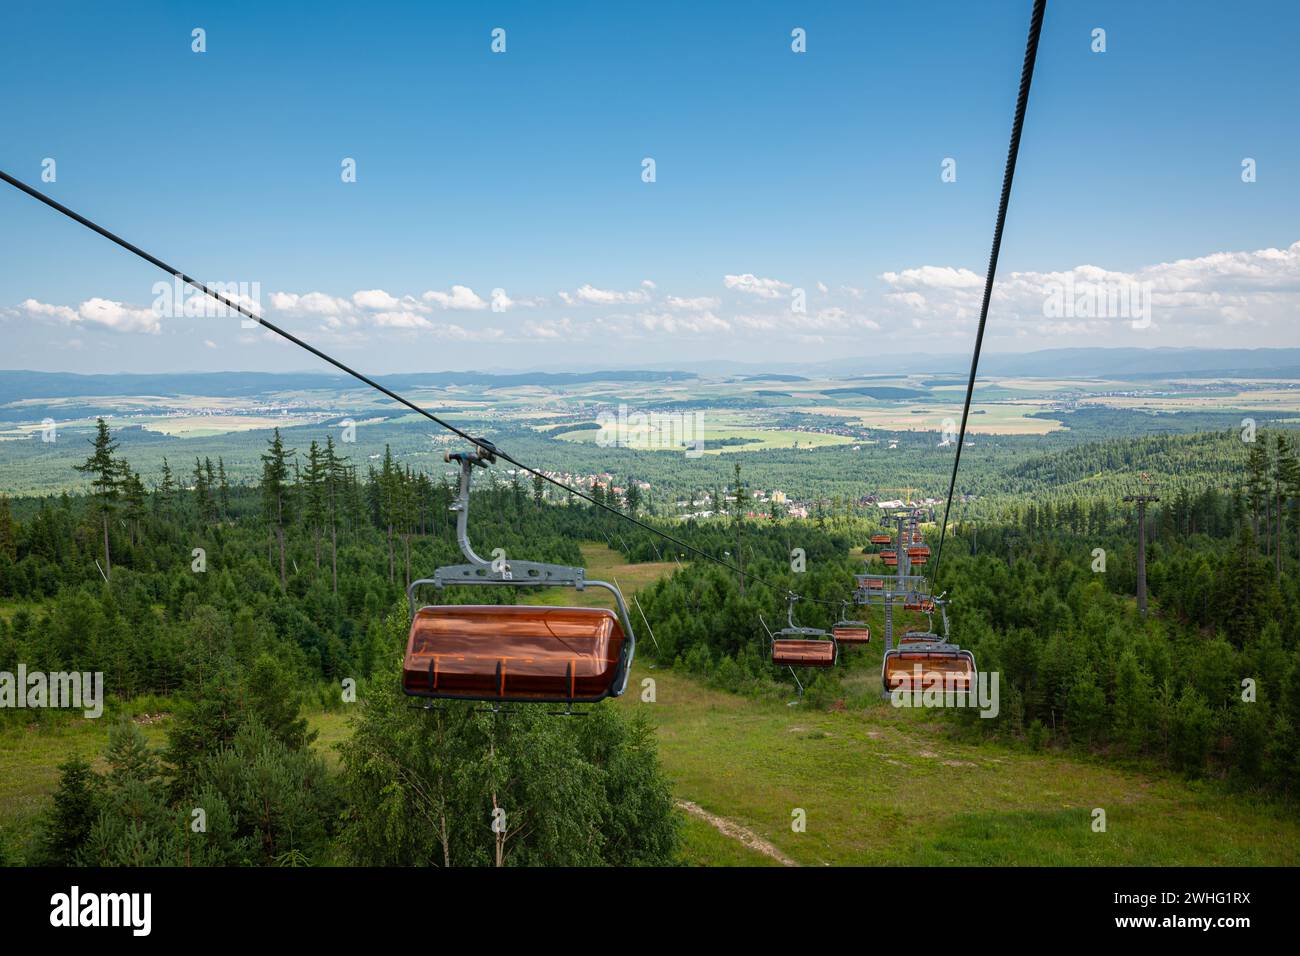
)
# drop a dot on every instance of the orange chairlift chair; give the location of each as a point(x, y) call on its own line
point(921, 664)
point(941, 663)
point(846, 631)
point(513, 653)
point(795, 646)
point(881, 539)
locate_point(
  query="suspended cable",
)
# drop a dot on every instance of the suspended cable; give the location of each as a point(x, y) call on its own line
point(1017, 125)
point(481, 443)
point(488, 447)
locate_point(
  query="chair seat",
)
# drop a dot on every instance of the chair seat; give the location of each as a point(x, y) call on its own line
point(852, 634)
point(942, 669)
point(513, 652)
point(803, 653)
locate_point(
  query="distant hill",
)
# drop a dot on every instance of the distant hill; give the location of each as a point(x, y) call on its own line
point(26, 386)
point(1127, 363)
point(1147, 363)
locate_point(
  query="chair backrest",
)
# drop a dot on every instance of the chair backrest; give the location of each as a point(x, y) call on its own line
point(803, 652)
point(514, 653)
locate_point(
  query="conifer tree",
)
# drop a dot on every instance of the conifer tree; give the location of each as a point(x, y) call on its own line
point(275, 493)
point(106, 472)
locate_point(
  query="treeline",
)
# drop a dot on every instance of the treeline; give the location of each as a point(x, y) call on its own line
point(303, 566)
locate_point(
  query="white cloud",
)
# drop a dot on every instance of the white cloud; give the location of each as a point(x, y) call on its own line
point(374, 299)
point(551, 329)
point(460, 298)
point(96, 311)
point(588, 294)
point(1221, 290)
point(696, 304)
point(753, 285)
point(62, 312)
point(312, 303)
point(400, 319)
point(934, 277)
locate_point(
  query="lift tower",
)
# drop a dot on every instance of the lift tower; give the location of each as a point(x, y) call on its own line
point(1141, 501)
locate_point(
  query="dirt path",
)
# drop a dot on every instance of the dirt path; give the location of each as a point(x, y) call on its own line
point(734, 830)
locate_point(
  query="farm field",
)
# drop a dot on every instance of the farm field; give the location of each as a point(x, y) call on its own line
point(1002, 418)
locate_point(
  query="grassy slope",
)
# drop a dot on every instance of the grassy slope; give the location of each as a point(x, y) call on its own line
point(879, 786)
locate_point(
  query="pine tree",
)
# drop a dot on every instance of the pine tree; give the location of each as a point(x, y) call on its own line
point(336, 475)
point(67, 825)
point(202, 493)
point(1257, 484)
point(8, 538)
point(386, 486)
point(133, 496)
point(105, 484)
point(738, 487)
point(633, 496)
point(275, 493)
point(315, 481)
point(1284, 466)
point(223, 490)
point(165, 493)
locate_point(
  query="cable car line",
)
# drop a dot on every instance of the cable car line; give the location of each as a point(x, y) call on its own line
point(488, 451)
point(482, 444)
point(1013, 150)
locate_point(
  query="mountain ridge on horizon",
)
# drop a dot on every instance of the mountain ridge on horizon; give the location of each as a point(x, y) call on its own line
point(20, 385)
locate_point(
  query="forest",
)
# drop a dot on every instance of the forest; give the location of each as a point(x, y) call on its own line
point(235, 606)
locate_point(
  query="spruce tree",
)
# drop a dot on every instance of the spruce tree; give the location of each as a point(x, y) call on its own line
point(106, 473)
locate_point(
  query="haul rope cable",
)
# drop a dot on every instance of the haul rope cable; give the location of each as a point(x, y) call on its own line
point(1017, 124)
point(484, 445)
point(481, 443)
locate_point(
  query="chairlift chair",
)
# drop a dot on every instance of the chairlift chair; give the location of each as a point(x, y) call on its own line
point(941, 665)
point(880, 539)
point(850, 632)
point(795, 646)
point(513, 653)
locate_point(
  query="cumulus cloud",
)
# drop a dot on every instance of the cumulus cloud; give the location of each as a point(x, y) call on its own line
point(104, 313)
point(460, 298)
point(61, 312)
point(552, 329)
point(697, 304)
point(374, 299)
point(753, 285)
point(1215, 291)
point(400, 319)
point(312, 303)
point(934, 277)
point(588, 294)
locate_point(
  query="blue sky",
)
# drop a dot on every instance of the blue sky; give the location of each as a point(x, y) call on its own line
point(522, 171)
